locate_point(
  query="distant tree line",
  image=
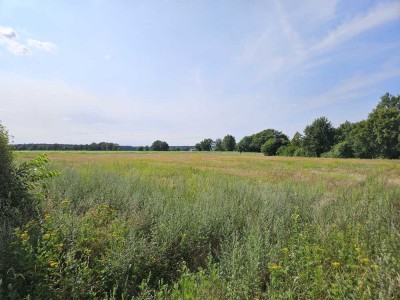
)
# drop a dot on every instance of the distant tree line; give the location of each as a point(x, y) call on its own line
point(103, 146)
point(376, 137)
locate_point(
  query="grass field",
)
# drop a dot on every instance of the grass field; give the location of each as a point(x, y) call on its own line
point(182, 225)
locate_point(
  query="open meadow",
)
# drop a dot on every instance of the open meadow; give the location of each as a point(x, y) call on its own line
point(190, 225)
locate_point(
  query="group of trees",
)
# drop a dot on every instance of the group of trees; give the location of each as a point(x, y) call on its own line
point(376, 137)
point(103, 146)
point(228, 143)
point(159, 146)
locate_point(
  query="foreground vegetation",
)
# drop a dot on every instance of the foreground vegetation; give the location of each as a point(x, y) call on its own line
point(207, 226)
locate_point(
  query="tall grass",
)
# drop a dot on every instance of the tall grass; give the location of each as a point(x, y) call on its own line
point(182, 226)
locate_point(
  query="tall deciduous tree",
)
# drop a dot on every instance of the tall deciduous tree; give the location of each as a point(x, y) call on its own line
point(159, 146)
point(229, 143)
point(385, 124)
point(318, 137)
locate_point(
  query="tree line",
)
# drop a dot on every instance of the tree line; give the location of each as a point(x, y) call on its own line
point(378, 136)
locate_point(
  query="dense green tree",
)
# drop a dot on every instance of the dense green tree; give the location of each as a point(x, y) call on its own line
point(385, 124)
point(342, 133)
point(343, 149)
point(318, 137)
point(206, 145)
point(254, 142)
point(271, 146)
point(244, 144)
point(362, 140)
point(296, 140)
point(229, 143)
point(159, 146)
point(218, 146)
point(7, 170)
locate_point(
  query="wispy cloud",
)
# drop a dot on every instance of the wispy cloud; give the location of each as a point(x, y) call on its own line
point(354, 86)
point(10, 40)
point(377, 16)
point(45, 46)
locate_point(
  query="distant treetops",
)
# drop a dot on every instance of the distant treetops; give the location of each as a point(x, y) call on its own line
point(376, 137)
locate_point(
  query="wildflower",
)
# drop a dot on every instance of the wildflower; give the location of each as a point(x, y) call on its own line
point(285, 250)
point(66, 202)
point(60, 245)
point(358, 249)
point(335, 264)
point(24, 235)
point(53, 263)
point(47, 216)
point(275, 267)
point(295, 216)
point(364, 260)
point(46, 235)
point(375, 266)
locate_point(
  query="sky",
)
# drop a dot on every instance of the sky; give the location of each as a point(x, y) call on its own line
point(131, 72)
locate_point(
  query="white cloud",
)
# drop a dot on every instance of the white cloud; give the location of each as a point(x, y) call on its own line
point(377, 16)
point(9, 39)
point(8, 32)
point(45, 46)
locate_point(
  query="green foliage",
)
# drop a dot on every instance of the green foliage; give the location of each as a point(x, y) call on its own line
point(342, 133)
point(149, 229)
point(271, 146)
point(22, 190)
point(296, 140)
point(205, 145)
point(341, 150)
point(159, 146)
point(254, 142)
point(362, 140)
point(385, 123)
point(318, 137)
point(218, 146)
point(229, 143)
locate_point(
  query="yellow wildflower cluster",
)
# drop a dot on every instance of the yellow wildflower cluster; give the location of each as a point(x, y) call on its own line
point(24, 235)
point(53, 263)
point(275, 267)
point(364, 260)
point(66, 202)
point(335, 264)
point(47, 216)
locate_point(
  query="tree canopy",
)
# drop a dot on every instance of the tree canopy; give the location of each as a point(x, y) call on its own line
point(159, 146)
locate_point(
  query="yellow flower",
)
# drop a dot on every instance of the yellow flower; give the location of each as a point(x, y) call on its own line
point(285, 250)
point(275, 267)
point(24, 235)
point(364, 260)
point(46, 235)
point(59, 245)
point(358, 249)
point(66, 202)
point(47, 216)
point(335, 264)
point(53, 263)
point(375, 266)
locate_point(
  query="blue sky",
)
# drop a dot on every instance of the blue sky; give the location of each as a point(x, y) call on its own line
point(134, 71)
